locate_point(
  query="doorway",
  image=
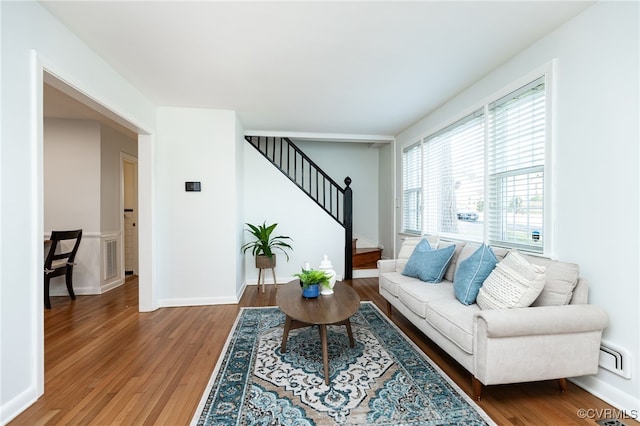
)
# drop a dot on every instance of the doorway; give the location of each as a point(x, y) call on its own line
point(76, 139)
point(42, 72)
point(129, 184)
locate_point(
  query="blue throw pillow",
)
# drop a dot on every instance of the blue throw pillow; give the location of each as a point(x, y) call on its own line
point(411, 268)
point(429, 265)
point(471, 274)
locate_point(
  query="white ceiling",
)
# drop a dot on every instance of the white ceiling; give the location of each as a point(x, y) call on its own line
point(362, 68)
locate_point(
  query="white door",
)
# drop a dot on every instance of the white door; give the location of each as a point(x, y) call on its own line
point(130, 188)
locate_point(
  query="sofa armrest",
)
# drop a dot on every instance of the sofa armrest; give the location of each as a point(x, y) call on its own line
point(386, 265)
point(542, 320)
point(537, 343)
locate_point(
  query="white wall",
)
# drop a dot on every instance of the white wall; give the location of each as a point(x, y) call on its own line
point(360, 162)
point(197, 238)
point(72, 196)
point(31, 39)
point(270, 196)
point(71, 175)
point(596, 179)
point(387, 200)
point(112, 143)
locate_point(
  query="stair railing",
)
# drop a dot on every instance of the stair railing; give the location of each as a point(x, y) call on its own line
point(313, 181)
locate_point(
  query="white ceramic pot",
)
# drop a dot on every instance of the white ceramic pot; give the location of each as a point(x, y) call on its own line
point(327, 267)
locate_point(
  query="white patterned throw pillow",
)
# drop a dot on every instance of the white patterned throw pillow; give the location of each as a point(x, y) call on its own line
point(514, 283)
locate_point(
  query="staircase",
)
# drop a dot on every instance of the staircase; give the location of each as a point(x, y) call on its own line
point(314, 182)
point(365, 257)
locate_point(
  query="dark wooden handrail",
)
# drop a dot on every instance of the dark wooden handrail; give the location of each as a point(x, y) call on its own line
point(314, 182)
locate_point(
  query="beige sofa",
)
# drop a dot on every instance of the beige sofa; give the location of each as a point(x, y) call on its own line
point(499, 346)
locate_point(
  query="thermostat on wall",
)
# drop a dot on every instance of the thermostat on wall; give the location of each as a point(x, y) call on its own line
point(192, 186)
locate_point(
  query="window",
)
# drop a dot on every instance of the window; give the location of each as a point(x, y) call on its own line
point(412, 189)
point(454, 179)
point(482, 177)
point(516, 168)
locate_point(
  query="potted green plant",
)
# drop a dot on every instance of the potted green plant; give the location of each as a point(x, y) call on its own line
point(264, 244)
point(311, 280)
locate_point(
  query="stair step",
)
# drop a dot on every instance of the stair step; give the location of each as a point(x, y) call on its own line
point(366, 258)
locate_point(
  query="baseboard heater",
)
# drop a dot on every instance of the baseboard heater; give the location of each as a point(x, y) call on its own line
point(615, 359)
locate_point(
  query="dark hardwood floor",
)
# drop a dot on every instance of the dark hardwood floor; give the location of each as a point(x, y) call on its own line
point(106, 364)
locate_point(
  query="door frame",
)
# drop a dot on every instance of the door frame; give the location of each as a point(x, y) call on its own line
point(43, 70)
point(126, 158)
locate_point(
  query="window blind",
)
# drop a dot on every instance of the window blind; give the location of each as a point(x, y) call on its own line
point(516, 155)
point(412, 189)
point(454, 179)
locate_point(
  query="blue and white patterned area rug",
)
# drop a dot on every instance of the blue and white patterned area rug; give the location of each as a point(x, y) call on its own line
point(384, 380)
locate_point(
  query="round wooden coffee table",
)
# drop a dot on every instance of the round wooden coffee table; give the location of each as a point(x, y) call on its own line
point(334, 309)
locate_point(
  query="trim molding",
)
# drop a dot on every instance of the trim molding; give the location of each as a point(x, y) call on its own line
point(608, 393)
point(325, 137)
point(178, 302)
point(108, 286)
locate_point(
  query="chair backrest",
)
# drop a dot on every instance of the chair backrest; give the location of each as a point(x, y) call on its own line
point(56, 237)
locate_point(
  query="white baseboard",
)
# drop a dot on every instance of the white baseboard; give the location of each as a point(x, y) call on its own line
point(365, 273)
point(11, 409)
point(241, 290)
point(608, 393)
point(105, 287)
point(61, 290)
point(204, 301)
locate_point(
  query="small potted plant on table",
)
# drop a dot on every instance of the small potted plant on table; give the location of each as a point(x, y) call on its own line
point(311, 280)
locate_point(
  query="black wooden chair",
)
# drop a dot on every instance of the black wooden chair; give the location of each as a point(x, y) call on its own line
point(61, 263)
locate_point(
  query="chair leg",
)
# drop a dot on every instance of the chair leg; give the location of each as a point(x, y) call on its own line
point(47, 301)
point(69, 280)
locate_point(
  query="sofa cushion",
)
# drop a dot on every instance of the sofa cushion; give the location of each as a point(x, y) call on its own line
point(391, 281)
point(465, 253)
point(562, 278)
point(449, 274)
point(470, 248)
point(428, 265)
point(409, 244)
point(415, 295)
point(514, 283)
point(454, 320)
point(472, 271)
point(500, 252)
